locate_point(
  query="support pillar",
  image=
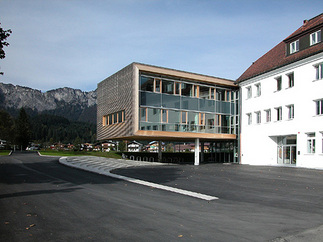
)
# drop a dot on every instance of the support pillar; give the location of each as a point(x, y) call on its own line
point(202, 151)
point(197, 152)
point(160, 151)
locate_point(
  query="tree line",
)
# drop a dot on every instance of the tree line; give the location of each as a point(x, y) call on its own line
point(44, 129)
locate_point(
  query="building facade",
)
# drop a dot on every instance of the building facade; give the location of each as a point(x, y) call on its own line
point(282, 102)
point(143, 102)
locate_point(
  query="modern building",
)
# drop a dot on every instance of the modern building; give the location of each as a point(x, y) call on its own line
point(144, 102)
point(282, 102)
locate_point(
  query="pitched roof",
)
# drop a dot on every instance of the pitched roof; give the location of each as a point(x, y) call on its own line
point(277, 57)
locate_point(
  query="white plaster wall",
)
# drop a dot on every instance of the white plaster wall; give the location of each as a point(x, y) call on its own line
point(257, 146)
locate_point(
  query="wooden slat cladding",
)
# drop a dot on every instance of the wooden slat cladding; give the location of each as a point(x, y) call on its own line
point(115, 94)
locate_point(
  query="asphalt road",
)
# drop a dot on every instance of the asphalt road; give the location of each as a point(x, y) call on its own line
point(42, 200)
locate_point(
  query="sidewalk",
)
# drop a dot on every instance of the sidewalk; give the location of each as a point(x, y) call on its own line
point(102, 165)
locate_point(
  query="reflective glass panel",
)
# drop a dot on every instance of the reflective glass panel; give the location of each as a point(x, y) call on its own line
point(146, 84)
point(168, 87)
point(204, 92)
point(150, 99)
point(187, 89)
point(153, 115)
point(171, 101)
point(189, 103)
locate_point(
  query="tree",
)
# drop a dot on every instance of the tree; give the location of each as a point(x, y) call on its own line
point(4, 34)
point(23, 129)
point(6, 126)
point(122, 146)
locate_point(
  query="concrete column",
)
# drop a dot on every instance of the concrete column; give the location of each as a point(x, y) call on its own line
point(202, 151)
point(160, 151)
point(197, 152)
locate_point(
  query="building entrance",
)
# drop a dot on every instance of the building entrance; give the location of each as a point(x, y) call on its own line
point(286, 150)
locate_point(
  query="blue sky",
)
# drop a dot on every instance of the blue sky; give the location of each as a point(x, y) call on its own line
point(78, 43)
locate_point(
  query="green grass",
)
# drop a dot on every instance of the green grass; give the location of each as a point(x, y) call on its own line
point(80, 153)
point(4, 152)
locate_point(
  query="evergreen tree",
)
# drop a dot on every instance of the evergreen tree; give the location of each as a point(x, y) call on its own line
point(6, 126)
point(23, 131)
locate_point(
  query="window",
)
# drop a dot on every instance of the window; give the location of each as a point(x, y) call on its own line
point(258, 87)
point(164, 116)
point(157, 85)
point(184, 117)
point(249, 92)
point(294, 47)
point(249, 116)
point(290, 79)
point(117, 117)
point(290, 111)
point(143, 114)
point(220, 95)
point(315, 37)
point(279, 113)
point(187, 89)
point(268, 115)
point(212, 93)
point(104, 120)
point(147, 84)
point(168, 87)
point(311, 143)
point(204, 92)
point(258, 117)
point(177, 89)
point(279, 83)
point(202, 119)
point(319, 71)
point(319, 107)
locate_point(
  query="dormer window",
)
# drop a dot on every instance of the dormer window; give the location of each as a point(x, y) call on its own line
point(294, 46)
point(315, 37)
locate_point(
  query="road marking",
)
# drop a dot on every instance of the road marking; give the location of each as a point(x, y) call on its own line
point(106, 172)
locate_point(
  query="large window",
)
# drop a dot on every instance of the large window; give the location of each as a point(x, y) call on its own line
point(311, 143)
point(147, 84)
point(315, 37)
point(294, 46)
point(319, 71)
point(168, 87)
point(168, 104)
point(319, 107)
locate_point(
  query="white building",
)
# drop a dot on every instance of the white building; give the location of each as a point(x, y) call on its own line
point(282, 102)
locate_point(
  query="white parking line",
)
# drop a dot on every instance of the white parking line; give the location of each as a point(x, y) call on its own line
point(107, 172)
point(162, 187)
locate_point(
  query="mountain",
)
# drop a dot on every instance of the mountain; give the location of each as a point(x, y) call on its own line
point(70, 103)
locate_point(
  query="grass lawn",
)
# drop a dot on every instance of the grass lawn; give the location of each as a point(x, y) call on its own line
point(4, 152)
point(80, 153)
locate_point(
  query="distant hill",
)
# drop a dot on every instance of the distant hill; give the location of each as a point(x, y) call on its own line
point(73, 104)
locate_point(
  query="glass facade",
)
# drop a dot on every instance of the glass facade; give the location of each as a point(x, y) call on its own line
point(168, 104)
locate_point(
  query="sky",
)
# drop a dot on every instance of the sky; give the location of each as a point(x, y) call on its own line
point(78, 43)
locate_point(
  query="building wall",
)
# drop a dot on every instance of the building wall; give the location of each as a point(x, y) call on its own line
point(116, 93)
point(259, 141)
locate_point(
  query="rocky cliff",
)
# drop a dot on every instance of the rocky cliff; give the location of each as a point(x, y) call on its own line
point(73, 104)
